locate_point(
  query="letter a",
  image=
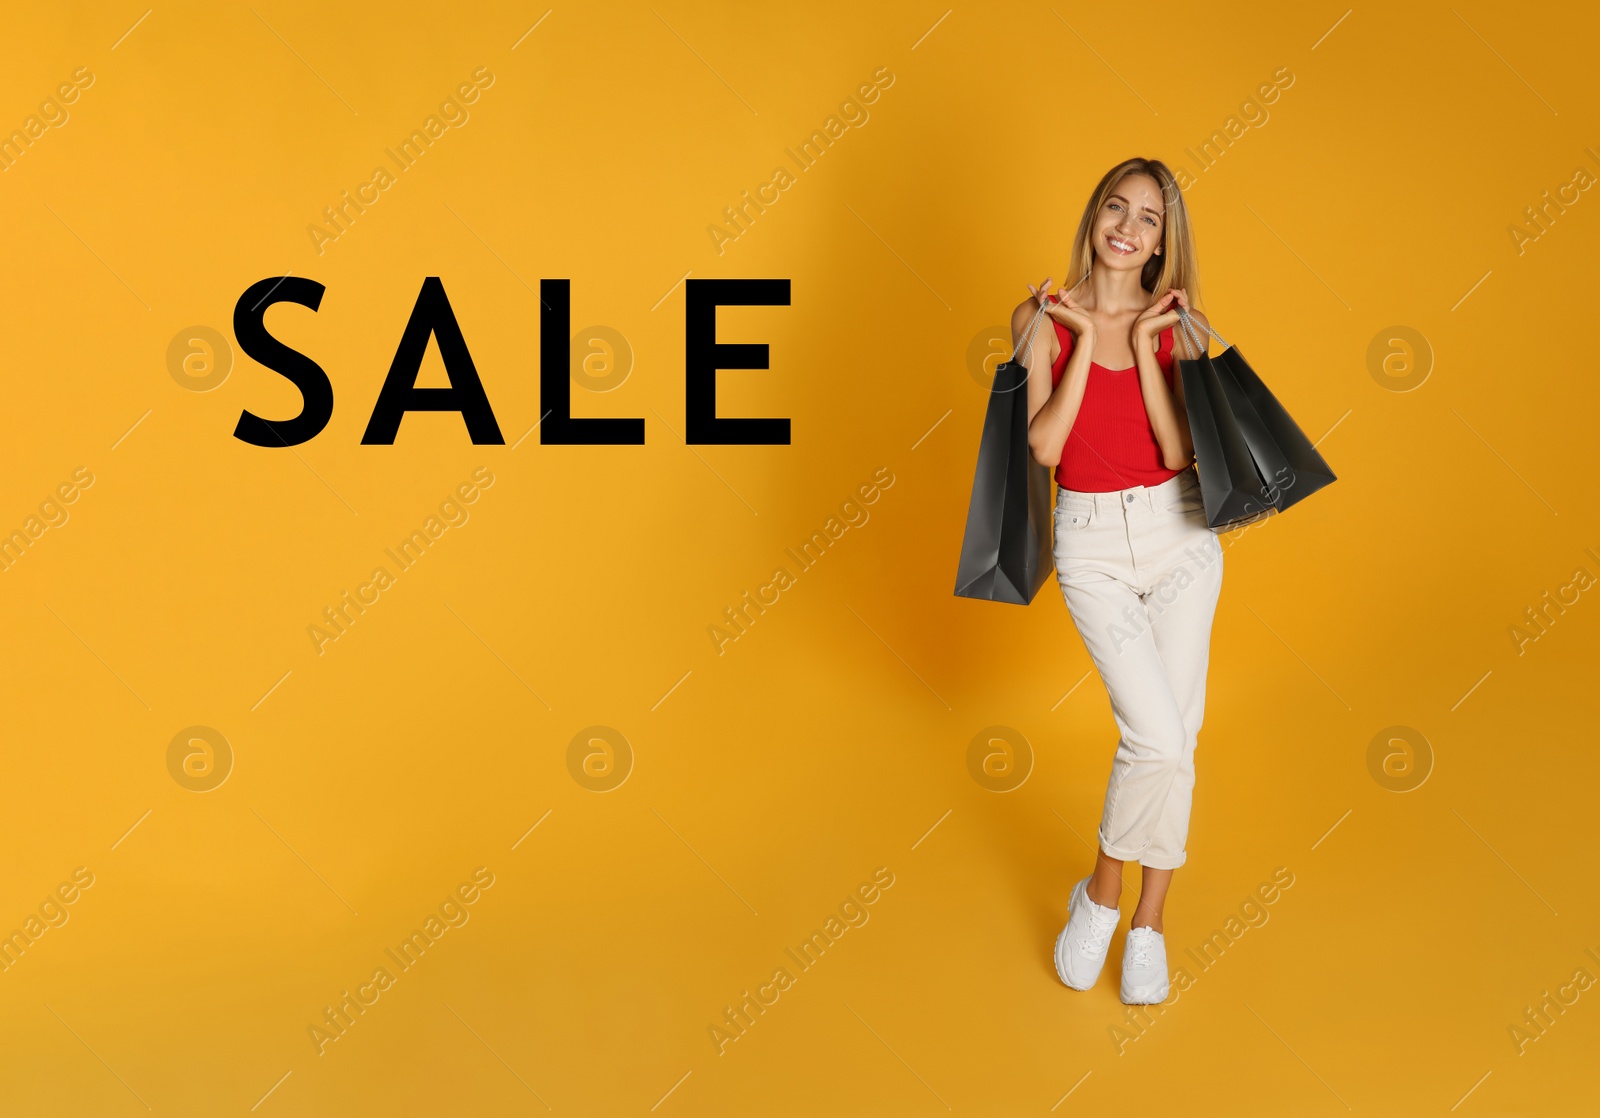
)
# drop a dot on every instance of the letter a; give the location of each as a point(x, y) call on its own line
point(432, 316)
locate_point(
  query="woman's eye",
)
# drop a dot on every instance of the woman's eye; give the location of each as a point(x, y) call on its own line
point(1150, 221)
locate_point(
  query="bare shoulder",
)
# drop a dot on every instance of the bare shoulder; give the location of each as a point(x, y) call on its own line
point(1043, 335)
point(1022, 316)
point(1202, 326)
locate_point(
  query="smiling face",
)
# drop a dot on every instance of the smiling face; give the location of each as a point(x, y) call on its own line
point(1131, 224)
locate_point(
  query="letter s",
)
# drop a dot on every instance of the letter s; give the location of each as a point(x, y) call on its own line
point(883, 877)
point(83, 877)
point(877, 78)
point(250, 330)
point(1277, 77)
point(1283, 877)
point(483, 876)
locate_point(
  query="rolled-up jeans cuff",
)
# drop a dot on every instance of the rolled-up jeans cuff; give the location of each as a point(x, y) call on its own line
point(1121, 853)
point(1144, 856)
point(1162, 862)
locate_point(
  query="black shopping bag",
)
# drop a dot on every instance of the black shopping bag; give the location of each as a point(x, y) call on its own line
point(1252, 458)
point(1006, 553)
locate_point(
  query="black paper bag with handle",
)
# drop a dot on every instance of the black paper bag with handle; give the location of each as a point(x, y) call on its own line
point(1006, 553)
point(1252, 458)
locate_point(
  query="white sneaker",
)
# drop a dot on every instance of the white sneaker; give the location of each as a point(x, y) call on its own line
point(1082, 945)
point(1144, 967)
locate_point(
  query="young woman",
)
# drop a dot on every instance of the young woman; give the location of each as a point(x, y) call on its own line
point(1138, 567)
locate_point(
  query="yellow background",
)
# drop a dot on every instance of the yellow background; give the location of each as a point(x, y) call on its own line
point(826, 742)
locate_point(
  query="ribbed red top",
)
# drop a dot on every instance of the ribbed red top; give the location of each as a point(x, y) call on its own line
point(1111, 445)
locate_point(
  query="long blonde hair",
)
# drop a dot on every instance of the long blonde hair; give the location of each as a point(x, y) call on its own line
point(1176, 265)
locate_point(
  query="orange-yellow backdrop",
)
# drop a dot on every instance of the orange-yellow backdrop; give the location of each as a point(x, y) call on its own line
point(1388, 728)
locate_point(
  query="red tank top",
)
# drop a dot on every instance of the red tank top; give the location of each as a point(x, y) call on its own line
point(1111, 445)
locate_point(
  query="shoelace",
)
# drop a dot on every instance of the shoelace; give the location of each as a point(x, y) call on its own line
point(1099, 938)
point(1141, 945)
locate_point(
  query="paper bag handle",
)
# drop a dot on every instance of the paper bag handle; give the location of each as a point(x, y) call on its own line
point(1194, 339)
point(1033, 326)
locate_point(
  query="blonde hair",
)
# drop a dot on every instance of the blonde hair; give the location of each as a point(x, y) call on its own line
point(1176, 265)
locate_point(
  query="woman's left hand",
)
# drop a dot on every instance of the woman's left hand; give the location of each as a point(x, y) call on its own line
point(1160, 314)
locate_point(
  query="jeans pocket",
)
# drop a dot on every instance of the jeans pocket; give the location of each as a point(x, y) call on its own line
point(1072, 518)
point(1187, 500)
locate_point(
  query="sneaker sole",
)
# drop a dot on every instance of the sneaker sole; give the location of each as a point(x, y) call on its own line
point(1146, 995)
point(1061, 970)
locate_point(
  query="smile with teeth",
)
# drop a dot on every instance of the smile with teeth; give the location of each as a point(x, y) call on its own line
point(1120, 245)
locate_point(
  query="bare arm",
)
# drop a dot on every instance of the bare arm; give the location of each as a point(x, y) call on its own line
point(1169, 417)
point(1051, 411)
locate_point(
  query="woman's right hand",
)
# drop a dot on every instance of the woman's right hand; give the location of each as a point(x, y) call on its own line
point(1064, 311)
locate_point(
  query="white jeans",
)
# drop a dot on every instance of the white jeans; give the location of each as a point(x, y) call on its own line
point(1141, 574)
